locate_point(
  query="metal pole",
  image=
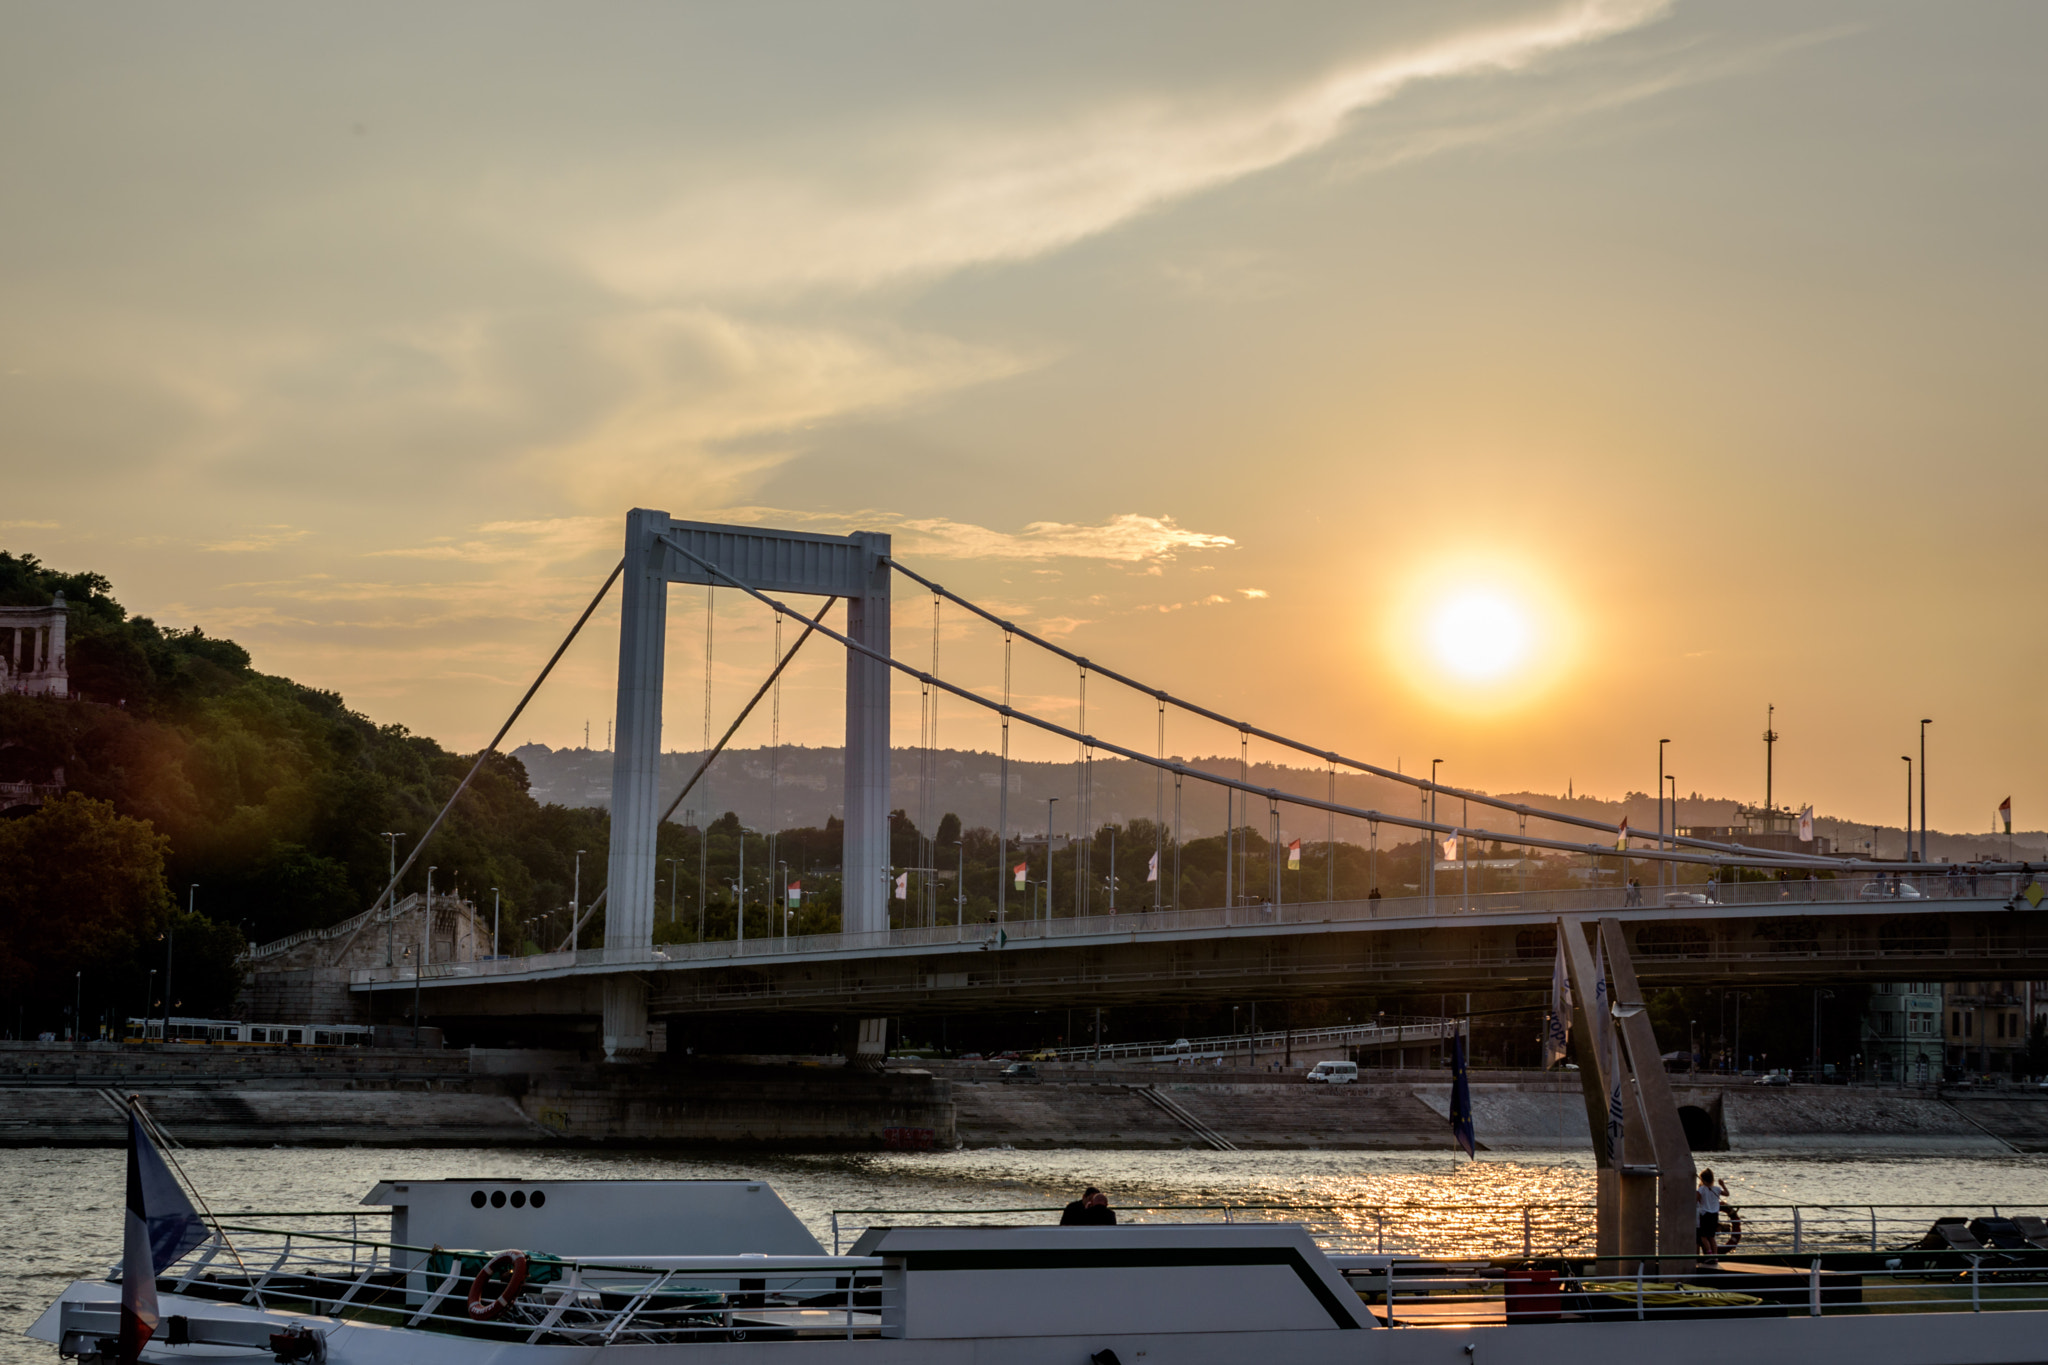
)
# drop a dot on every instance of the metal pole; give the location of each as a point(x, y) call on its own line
point(1050, 801)
point(1923, 788)
point(739, 888)
point(1907, 759)
point(419, 959)
point(1112, 869)
point(576, 904)
point(1003, 799)
point(1660, 814)
point(495, 908)
point(391, 900)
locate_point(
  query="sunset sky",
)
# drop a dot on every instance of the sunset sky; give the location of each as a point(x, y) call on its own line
point(1515, 384)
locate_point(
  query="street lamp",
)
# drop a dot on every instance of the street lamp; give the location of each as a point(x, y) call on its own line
point(1050, 801)
point(391, 897)
point(495, 907)
point(576, 902)
point(1907, 759)
point(672, 889)
point(1923, 788)
point(78, 1007)
point(1660, 812)
point(1818, 996)
point(148, 1002)
point(1430, 839)
point(419, 964)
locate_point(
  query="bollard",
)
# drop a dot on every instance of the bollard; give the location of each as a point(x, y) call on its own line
point(1813, 1289)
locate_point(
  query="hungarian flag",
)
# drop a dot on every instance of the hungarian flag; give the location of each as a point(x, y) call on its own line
point(2005, 813)
point(902, 886)
point(1621, 843)
point(1806, 824)
point(1294, 856)
point(1018, 873)
point(1152, 869)
point(793, 894)
point(162, 1226)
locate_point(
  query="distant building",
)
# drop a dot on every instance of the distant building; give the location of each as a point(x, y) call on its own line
point(32, 650)
point(1902, 1032)
point(1772, 829)
point(1987, 1026)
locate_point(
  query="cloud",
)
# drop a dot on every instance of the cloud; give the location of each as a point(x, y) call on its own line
point(269, 538)
point(1255, 593)
point(552, 540)
point(28, 525)
point(1127, 537)
point(972, 196)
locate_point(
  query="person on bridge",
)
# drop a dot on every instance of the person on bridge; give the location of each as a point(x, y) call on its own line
point(1709, 1213)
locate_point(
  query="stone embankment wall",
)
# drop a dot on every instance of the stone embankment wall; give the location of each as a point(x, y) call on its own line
point(61, 1096)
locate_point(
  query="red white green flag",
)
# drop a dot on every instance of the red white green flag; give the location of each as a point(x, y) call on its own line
point(1294, 856)
point(2005, 813)
point(1018, 873)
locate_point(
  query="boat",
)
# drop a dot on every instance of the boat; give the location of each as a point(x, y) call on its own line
point(671, 1272)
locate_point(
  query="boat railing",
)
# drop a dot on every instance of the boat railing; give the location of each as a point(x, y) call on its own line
point(1548, 1228)
point(1403, 1291)
point(273, 1261)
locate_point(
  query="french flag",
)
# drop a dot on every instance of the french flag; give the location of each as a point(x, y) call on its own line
point(161, 1227)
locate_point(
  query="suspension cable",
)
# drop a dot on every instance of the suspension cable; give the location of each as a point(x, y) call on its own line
point(1247, 728)
point(1734, 853)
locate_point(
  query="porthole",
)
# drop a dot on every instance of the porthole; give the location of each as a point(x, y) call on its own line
point(519, 1199)
point(476, 1199)
point(539, 1197)
point(497, 1199)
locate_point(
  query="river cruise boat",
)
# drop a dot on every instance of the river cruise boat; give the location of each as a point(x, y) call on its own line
point(507, 1272)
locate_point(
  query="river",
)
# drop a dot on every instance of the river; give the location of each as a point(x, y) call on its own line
point(60, 1213)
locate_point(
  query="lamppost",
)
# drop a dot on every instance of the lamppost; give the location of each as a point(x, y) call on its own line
point(1907, 759)
point(1432, 833)
point(672, 889)
point(1673, 780)
point(739, 888)
point(170, 942)
point(419, 964)
point(960, 886)
point(1923, 788)
point(78, 1007)
point(1660, 812)
point(576, 903)
point(391, 897)
point(496, 906)
point(1818, 996)
point(783, 887)
point(148, 1002)
point(1050, 801)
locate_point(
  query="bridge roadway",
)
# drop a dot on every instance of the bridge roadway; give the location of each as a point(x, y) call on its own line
point(1755, 932)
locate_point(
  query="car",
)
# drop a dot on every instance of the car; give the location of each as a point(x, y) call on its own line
point(1333, 1073)
point(1889, 891)
point(1044, 1054)
point(1688, 898)
point(1018, 1071)
point(1774, 1078)
point(1182, 1045)
point(1003, 1057)
point(970, 1056)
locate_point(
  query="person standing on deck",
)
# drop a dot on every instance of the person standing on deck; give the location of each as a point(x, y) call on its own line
point(1709, 1213)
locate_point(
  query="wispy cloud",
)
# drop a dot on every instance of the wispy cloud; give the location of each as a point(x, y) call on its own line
point(268, 538)
point(984, 195)
point(1255, 593)
point(28, 525)
point(1128, 537)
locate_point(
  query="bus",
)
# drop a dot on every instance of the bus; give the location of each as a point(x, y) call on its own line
point(203, 1031)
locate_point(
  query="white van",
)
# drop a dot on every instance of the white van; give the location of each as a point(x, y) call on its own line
point(1335, 1073)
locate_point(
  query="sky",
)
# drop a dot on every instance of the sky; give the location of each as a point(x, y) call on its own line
point(1513, 384)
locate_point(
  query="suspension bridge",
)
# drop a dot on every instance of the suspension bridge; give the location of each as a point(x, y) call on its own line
point(1856, 924)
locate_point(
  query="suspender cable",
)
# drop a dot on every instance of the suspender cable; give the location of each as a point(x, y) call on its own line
point(1195, 708)
point(1159, 820)
point(488, 750)
point(1003, 798)
point(1749, 856)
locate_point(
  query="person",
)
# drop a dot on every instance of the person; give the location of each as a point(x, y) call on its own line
point(1973, 880)
point(1076, 1212)
point(1373, 894)
point(1955, 881)
point(1096, 1212)
point(1709, 1213)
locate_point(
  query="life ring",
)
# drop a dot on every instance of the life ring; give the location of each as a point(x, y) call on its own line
point(515, 1281)
point(1733, 1218)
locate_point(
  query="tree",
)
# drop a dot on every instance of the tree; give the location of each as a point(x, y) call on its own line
point(81, 888)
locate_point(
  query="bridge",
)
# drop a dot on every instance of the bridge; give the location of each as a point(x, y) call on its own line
point(1854, 924)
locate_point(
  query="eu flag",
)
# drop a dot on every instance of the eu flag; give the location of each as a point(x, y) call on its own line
point(1461, 1099)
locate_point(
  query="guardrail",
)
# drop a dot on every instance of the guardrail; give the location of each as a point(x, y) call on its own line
point(1913, 892)
point(1225, 1044)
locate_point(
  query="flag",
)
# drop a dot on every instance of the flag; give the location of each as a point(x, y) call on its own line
point(1152, 869)
point(1018, 873)
point(1451, 849)
point(1294, 856)
point(1806, 824)
point(1616, 1129)
point(2005, 813)
point(1621, 843)
point(902, 886)
point(161, 1226)
point(1557, 1024)
point(1461, 1099)
point(793, 894)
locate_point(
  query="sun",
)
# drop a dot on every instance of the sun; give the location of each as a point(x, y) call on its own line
point(1480, 636)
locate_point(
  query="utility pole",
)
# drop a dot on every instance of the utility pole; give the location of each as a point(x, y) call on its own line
point(1923, 788)
point(1770, 739)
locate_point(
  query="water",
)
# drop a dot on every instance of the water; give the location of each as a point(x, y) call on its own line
point(60, 1213)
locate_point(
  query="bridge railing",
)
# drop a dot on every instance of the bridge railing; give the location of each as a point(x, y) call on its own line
point(1401, 1028)
point(1906, 893)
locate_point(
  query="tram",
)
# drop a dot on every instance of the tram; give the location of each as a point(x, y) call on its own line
point(218, 1031)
